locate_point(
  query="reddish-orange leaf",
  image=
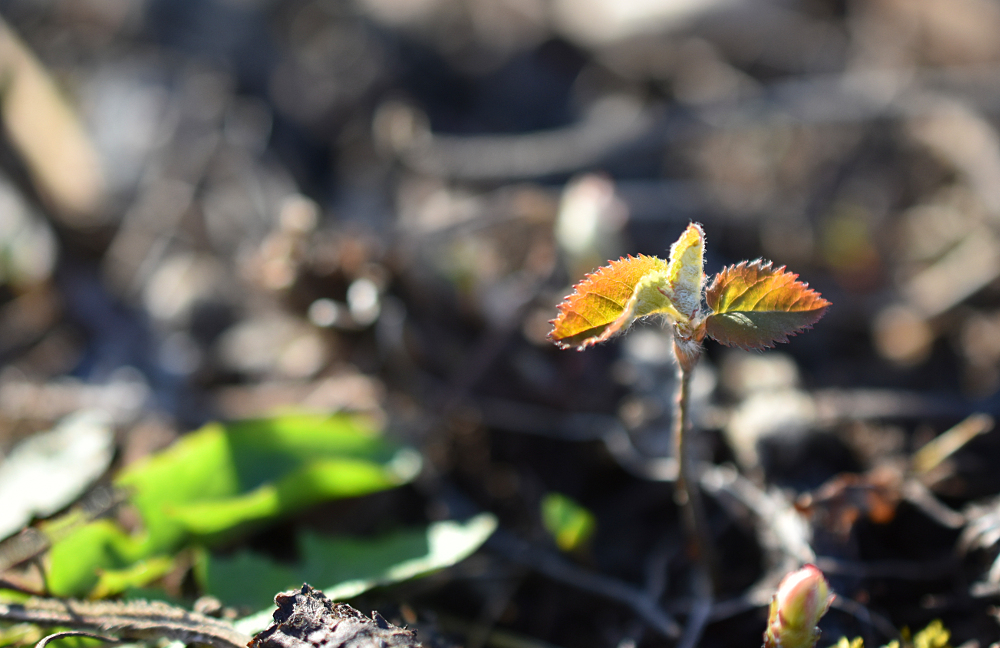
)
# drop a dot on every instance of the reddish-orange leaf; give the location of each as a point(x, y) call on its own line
point(607, 300)
point(755, 305)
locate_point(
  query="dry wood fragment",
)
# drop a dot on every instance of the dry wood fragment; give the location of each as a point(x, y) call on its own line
point(307, 619)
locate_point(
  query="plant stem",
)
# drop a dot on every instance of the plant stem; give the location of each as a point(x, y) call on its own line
point(689, 497)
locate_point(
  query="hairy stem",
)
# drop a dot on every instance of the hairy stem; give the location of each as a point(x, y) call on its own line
point(686, 490)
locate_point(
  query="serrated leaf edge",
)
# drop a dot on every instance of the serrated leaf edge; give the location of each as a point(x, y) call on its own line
point(764, 265)
point(613, 327)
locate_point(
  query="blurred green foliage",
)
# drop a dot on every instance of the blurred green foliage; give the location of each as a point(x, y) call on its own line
point(219, 482)
point(343, 567)
point(570, 524)
point(935, 635)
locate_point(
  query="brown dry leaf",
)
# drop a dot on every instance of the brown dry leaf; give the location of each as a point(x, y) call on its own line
point(47, 134)
point(840, 502)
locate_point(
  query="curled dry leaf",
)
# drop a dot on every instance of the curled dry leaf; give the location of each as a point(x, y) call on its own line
point(307, 619)
point(754, 305)
point(837, 505)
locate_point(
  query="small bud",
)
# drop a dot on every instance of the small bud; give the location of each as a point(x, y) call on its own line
point(803, 597)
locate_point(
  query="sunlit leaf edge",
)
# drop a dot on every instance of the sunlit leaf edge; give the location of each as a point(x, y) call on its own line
point(576, 326)
point(755, 328)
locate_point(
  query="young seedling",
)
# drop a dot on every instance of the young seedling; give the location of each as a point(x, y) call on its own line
point(751, 305)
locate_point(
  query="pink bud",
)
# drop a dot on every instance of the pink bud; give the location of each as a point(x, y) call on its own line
point(803, 597)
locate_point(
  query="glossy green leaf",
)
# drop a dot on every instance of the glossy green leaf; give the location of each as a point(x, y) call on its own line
point(755, 305)
point(343, 567)
point(75, 559)
point(570, 524)
point(214, 482)
point(317, 481)
point(111, 582)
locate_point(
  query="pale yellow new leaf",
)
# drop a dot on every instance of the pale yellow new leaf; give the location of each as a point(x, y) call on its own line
point(685, 272)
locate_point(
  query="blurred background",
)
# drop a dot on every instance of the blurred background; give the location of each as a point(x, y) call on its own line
point(212, 209)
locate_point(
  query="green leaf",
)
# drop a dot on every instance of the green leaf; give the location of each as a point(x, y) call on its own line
point(216, 481)
point(344, 567)
point(570, 524)
point(317, 481)
point(74, 559)
point(115, 581)
point(857, 642)
point(755, 305)
point(935, 635)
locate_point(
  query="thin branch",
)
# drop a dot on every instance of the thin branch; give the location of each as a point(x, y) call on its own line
point(642, 604)
point(692, 505)
point(701, 610)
